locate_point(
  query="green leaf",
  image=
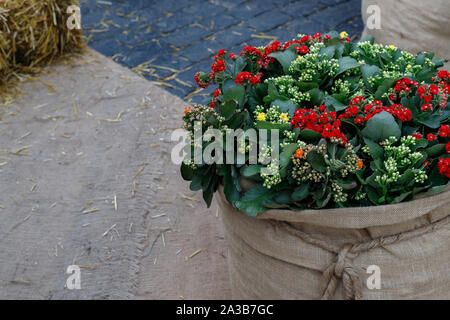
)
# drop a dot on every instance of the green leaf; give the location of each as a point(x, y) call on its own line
point(368, 71)
point(209, 191)
point(227, 109)
point(435, 178)
point(401, 197)
point(270, 126)
point(376, 151)
point(348, 185)
point(431, 121)
point(186, 172)
point(328, 51)
point(333, 34)
point(322, 202)
point(285, 106)
point(406, 177)
point(369, 38)
point(420, 59)
point(306, 86)
point(232, 187)
point(238, 66)
point(283, 198)
point(272, 91)
point(438, 189)
point(286, 154)
point(237, 120)
point(300, 193)
point(332, 101)
point(251, 202)
point(308, 134)
point(435, 150)
point(373, 196)
point(196, 183)
point(425, 74)
point(420, 143)
point(284, 58)
point(233, 91)
point(383, 88)
point(371, 180)
point(317, 161)
point(317, 96)
point(381, 126)
point(347, 63)
point(252, 170)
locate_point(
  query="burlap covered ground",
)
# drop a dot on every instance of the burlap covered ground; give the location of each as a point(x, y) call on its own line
point(413, 25)
point(86, 179)
point(315, 254)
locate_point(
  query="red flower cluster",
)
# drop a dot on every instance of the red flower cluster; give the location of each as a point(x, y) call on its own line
point(444, 75)
point(300, 42)
point(244, 75)
point(201, 84)
point(216, 67)
point(219, 54)
point(251, 51)
point(443, 79)
point(302, 49)
point(397, 110)
point(263, 59)
point(427, 107)
point(444, 167)
point(272, 47)
point(444, 131)
point(325, 123)
point(232, 56)
point(426, 92)
point(405, 85)
point(217, 92)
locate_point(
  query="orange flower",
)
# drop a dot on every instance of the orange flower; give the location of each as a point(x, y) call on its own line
point(360, 164)
point(187, 110)
point(299, 153)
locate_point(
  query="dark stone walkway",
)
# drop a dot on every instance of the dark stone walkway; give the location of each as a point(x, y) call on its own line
point(169, 41)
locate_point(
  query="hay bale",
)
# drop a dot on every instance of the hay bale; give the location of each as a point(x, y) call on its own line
point(32, 34)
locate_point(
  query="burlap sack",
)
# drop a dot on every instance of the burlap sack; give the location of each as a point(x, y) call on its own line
point(413, 25)
point(313, 254)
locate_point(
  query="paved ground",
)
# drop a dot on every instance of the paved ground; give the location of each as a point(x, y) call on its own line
point(173, 39)
point(86, 179)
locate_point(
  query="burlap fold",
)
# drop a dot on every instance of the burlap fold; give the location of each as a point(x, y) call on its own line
point(324, 254)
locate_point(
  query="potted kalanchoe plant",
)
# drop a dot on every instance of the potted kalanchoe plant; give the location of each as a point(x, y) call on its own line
point(359, 125)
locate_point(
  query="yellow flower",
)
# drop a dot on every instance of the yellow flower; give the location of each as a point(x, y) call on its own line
point(284, 117)
point(392, 47)
point(343, 34)
point(261, 116)
point(299, 58)
point(408, 66)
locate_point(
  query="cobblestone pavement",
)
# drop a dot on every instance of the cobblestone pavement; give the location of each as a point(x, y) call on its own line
point(169, 41)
